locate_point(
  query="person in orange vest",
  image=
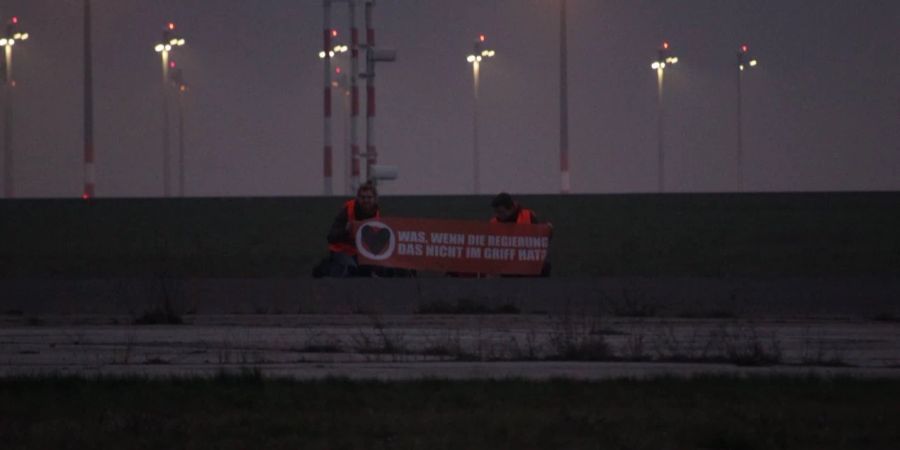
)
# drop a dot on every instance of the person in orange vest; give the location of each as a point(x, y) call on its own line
point(507, 210)
point(341, 243)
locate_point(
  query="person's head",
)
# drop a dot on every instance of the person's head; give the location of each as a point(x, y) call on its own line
point(504, 206)
point(367, 197)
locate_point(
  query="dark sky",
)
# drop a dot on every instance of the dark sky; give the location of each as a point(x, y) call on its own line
point(822, 109)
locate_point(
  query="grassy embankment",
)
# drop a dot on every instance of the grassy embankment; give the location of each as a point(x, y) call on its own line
point(252, 412)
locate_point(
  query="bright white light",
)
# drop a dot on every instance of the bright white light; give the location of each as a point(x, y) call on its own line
point(654, 66)
point(24, 36)
point(180, 42)
point(322, 55)
point(3, 42)
point(168, 47)
point(491, 53)
point(331, 54)
point(478, 58)
point(470, 58)
point(753, 63)
point(173, 42)
point(17, 36)
point(742, 67)
point(159, 48)
point(662, 65)
point(672, 60)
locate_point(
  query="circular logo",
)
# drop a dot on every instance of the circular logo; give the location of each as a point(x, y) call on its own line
point(375, 240)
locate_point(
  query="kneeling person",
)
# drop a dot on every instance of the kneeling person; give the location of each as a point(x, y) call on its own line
point(341, 242)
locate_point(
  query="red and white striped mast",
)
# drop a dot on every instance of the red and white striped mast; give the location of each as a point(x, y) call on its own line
point(326, 48)
point(371, 153)
point(354, 98)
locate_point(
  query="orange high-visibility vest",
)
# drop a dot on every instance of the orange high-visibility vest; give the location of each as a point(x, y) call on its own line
point(344, 247)
point(524, 216)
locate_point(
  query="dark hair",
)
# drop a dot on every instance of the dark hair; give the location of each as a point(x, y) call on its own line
point(503, 199)
point(367, 186)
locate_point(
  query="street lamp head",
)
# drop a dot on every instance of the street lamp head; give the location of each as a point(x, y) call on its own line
point(753, 63)
point(655, 65)
point(470, 58)
point(181, 42)
point(159, 48)
point(3, 42)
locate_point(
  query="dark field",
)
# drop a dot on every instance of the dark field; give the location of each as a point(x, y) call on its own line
point(249, 411)
point(718, 235)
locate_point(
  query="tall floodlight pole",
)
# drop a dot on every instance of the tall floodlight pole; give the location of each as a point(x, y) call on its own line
point(480, 53)
point(371, 152)
point(744, 61)
point(7, 41)
point(168, 43)
point(181, 86)
point(89, 175)
point(566, 181)
point(354, 98)
point(327, 34)
point(330, 83)
point(663, 60)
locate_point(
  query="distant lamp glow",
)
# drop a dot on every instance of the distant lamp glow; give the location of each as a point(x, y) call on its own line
point(2, 42)
point(655, 65)
point(322, 55)
point(481, 38)
point(470, 58)
point(753, 63)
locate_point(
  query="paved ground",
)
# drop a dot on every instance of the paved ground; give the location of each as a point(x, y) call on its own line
point(449, 346)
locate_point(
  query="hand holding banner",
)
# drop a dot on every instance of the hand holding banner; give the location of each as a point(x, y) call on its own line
point(453, 245)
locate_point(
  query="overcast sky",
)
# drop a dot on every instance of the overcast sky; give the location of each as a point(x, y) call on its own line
point(822, 110)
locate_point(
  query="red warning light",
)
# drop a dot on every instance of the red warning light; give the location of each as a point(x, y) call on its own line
point(172, 64)
point(744, 48)
point(85, 196)
point(334, 33)
point(337, 70)
point(481, 37)
point(15, 20)
point(666, 45)
point(171, 25)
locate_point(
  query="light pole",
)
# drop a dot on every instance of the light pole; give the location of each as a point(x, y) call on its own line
point(663, 60)
point(566, 181)
point(182, 87)
point(327, 55)
point(744, 61)
point(7, 41)
point(480, 53)
point(168, 43)
point(89, 181)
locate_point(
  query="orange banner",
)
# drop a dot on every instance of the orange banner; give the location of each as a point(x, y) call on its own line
point(453, 245)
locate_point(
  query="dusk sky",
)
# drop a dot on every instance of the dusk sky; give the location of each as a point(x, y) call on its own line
point(822, 110)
